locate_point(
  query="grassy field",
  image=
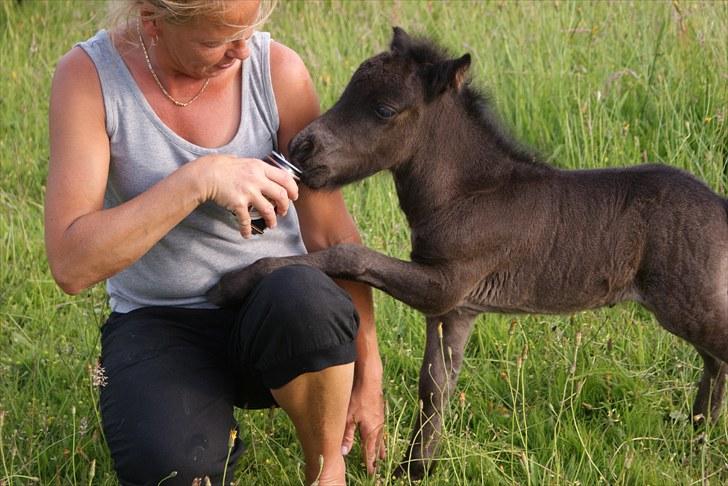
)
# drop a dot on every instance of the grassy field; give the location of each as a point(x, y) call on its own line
point(596, 398)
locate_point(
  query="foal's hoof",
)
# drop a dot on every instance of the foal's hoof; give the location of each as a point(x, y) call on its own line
point(216, 296)
point(414, 470)
point(232, 287)
point(222, 295)
point(698, 420)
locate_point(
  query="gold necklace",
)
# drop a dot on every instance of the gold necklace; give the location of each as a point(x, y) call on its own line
point(159, 83)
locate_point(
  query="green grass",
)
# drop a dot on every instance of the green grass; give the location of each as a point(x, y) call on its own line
point(601, 398)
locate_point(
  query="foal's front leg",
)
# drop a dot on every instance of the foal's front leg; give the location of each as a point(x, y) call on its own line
point(430, 289)
point(446, 339)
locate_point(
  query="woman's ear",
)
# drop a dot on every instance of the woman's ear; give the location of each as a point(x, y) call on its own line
point(148, 23)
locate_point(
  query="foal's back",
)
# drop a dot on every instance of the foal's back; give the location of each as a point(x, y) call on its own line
point(573, 240)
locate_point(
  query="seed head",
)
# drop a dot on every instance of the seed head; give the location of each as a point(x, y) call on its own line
point(232, 437)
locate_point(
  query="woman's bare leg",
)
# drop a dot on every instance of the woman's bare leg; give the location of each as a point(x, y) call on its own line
point(317, 404)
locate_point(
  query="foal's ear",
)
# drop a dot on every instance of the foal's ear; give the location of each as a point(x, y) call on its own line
point(446, 74)
point(400, 40)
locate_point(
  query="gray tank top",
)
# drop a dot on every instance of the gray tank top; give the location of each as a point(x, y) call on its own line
point(191, 258)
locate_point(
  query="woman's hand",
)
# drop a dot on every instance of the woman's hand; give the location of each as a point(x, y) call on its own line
point(238, 184)
point(366, 412)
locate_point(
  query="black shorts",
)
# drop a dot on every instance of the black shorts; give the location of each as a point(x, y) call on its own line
point(174, 375)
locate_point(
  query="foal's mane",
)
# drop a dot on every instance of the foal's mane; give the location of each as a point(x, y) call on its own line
point(477, 104)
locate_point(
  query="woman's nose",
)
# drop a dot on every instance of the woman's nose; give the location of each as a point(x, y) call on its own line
point(238, 49)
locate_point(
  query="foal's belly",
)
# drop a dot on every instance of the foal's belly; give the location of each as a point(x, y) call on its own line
point(498, 293)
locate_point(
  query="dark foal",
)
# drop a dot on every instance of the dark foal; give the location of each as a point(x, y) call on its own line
point(496, 230)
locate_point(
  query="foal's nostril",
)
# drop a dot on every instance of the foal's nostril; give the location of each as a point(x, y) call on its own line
point(302, 149)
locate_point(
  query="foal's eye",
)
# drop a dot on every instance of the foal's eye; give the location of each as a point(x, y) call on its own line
point(384, 112)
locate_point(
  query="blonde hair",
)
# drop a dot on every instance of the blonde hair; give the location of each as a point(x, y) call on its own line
point(123, 13)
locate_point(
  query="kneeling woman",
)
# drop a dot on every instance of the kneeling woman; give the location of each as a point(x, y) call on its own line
point(157, 128)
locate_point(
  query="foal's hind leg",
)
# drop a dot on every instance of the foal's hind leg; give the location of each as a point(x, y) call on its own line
point(705, 325)
point(446, 339)
point(711, 388)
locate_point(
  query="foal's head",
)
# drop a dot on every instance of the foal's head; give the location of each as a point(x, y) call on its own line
point(383, 116)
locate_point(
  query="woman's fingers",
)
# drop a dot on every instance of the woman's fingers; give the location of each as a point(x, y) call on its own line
point(266, 208)
point(261, 206)
point(242, 214)
point(283, 179)
point(246, 186)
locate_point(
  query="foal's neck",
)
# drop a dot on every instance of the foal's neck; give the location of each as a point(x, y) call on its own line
point(460, 152)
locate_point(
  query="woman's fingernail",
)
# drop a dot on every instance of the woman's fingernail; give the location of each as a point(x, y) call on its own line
point(344, 450)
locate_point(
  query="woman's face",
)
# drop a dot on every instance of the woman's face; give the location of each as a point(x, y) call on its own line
point(205, 48)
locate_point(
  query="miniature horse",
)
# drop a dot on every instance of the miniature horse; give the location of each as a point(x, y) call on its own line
point(493, 229)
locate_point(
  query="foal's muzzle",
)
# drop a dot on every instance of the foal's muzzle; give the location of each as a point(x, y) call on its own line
point(301, 149)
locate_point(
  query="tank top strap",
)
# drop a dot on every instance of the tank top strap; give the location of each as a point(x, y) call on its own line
point(112, 75)
point(259, 82)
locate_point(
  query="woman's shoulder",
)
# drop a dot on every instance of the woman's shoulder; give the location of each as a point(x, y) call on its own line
point(295, 94)
point(286, 66)
point(76, 88)
point(75, 68)
point(79, 62)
